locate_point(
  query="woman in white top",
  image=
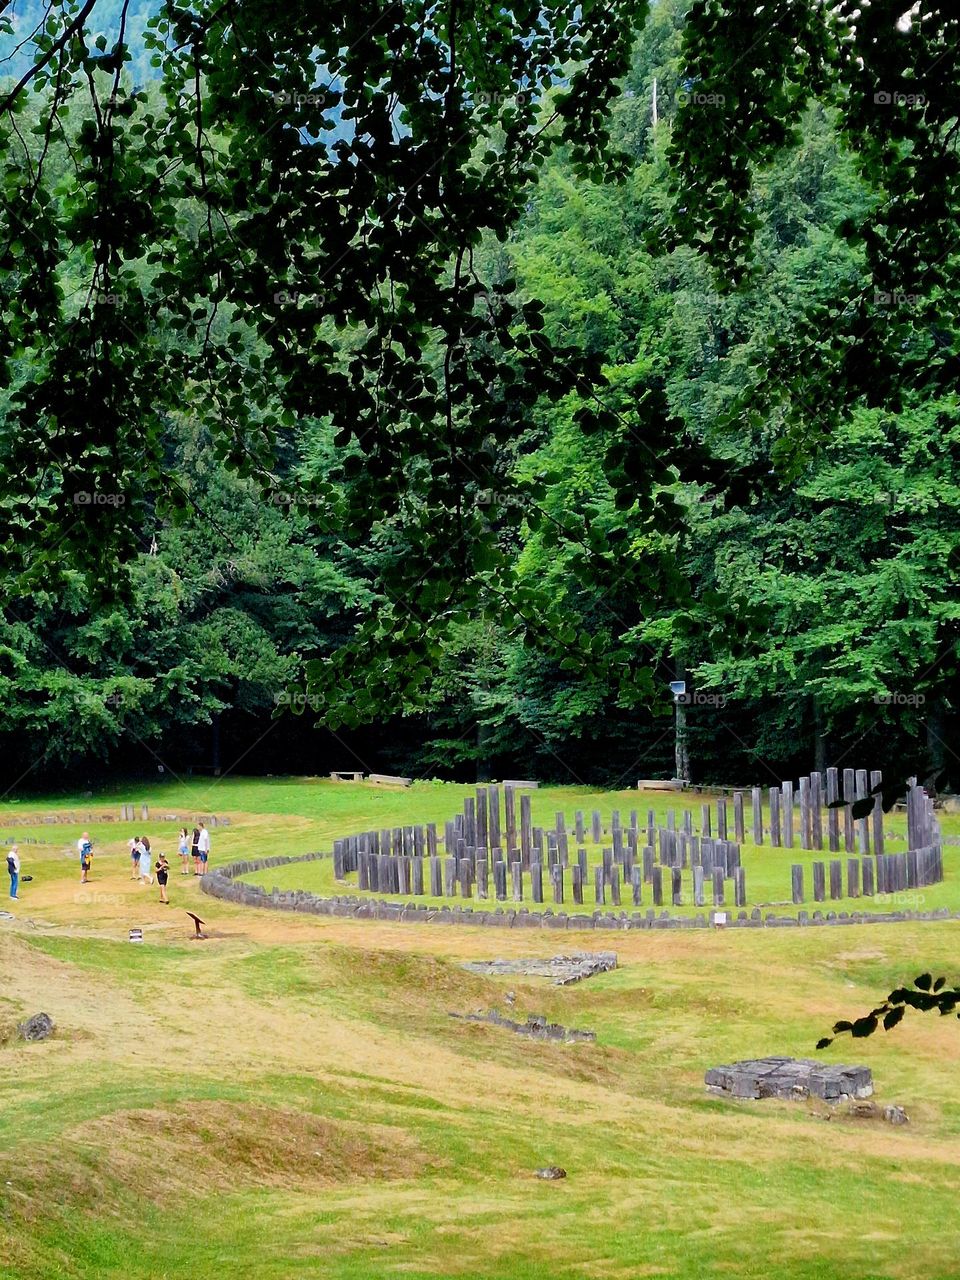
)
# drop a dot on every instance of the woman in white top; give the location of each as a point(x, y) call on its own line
point(13, 867)
point(146, 877)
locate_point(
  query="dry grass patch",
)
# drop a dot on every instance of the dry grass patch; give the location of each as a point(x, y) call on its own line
point(153, 1153)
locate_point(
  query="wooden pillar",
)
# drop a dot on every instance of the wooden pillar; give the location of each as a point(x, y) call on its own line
point(876, 778)
point(615, 885)
point(757, 797)
point(697, 885)
point(536, 881)
point(657, 879)
point(866, 875)
point(816, 810)
point(775, 817)
point(510, 817)
point(805, 823)
point(526, 831)
point(833, 815)
point(819, 882)
point(599, 886)
point(717, 875)
point(516, 881)
point(556, 881)
point(853, 877)
point(849, 795)
point(739, 887)
point(786, 789)
point(862, 824)
point(796, 883)
point(493, 817)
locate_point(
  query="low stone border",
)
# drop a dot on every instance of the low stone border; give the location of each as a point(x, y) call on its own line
point(222, 883)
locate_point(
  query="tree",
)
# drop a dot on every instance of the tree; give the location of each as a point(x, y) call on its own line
point(751, 72)
point(450, 114)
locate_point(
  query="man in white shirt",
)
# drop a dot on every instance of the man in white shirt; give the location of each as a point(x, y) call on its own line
point(203, 845)
point(13, 867)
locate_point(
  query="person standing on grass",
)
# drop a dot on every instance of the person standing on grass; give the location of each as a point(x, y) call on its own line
point(13, 868)
point(163, 870)
point(195, 850)
point(203, 844)
point(85, 850)
point(183, 848)
point(135, 858)
point(145, 873)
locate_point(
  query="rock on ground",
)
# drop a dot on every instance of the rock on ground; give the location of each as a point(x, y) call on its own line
point(39, 1027)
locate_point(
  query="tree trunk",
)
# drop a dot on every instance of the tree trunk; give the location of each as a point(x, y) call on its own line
point(681, 754)
point(934, 727)
point(819, 737)
point(483, 759)
point(215, 742)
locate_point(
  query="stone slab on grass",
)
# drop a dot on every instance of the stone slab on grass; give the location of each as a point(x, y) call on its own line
point(562, 970)
point(790, 1078)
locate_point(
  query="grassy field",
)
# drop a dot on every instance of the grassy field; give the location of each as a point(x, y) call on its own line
point(290, 1098)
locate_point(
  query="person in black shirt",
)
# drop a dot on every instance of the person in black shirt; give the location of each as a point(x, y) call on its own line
point(163, 871)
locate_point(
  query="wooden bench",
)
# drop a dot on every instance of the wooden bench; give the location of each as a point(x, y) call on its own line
point(345, 775)
point(385, 780)
point(660, 784)
point(521, 786)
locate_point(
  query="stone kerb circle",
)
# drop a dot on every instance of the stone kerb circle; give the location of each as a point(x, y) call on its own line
point(222, 883)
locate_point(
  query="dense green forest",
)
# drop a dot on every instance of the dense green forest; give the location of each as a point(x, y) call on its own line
point(811, 608)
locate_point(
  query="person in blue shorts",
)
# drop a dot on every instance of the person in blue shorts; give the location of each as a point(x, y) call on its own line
point(203, 845)
point(183, 848)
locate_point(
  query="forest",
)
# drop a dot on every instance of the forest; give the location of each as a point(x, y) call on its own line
point(807, 597)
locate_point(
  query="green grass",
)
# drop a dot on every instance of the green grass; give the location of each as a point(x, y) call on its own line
point(168, 1128)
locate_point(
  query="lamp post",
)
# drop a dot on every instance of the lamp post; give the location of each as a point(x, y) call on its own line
point(681, 760)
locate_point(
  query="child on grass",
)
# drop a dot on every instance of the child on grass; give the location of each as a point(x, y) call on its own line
point(163, 870)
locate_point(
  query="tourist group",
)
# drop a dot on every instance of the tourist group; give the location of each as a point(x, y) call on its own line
point(193, 848)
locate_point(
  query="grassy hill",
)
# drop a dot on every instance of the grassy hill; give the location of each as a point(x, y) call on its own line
point(291, 1098)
